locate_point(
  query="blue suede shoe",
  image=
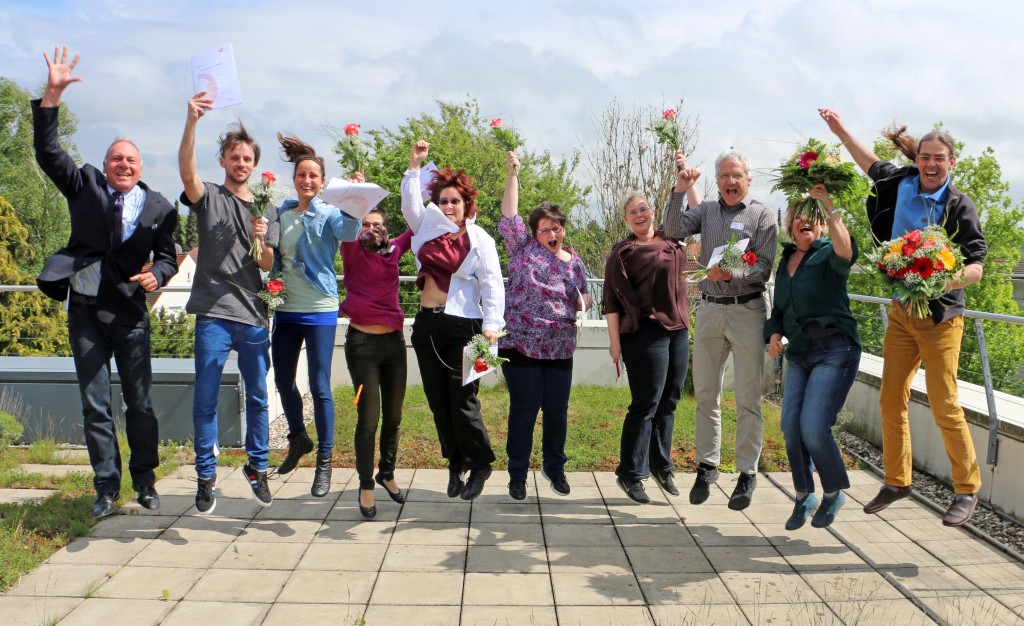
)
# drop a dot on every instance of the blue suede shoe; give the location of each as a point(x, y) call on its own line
point(826, 513)
point(800, 511)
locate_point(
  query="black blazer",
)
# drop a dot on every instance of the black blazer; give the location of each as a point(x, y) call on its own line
point(119, 301)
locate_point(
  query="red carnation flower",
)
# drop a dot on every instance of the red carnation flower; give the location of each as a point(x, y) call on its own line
point(909, 249)
point(913, 237)
point(807, 158)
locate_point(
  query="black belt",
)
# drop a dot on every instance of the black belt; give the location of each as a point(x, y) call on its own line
point(432, 309)
point(78, 298)
point(731, 299)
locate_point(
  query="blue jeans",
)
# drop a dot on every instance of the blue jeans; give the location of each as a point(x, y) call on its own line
point(92, 344)
point(656, 360)
point(378, 364)
point(816, 387)
point(532, 388)
point(215, 338)
point(285, 349)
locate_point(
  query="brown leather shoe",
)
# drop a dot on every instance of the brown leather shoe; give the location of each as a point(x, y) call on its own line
point(960, 512)
point(886, 496)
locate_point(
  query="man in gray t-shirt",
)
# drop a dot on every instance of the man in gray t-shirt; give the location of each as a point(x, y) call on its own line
point(229, 315)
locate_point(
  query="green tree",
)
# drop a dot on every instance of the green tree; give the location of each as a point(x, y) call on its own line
point(172, 335)
point(41, 208)
point(188, 226)
point(33, 325)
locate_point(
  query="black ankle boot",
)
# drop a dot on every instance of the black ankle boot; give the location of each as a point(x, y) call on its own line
point(322, 477)
point(299, 444)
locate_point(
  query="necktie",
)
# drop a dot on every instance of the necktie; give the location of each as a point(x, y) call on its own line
point(118, 218)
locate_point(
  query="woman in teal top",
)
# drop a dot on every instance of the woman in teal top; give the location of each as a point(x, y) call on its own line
point(812, 310)
point(311, 231)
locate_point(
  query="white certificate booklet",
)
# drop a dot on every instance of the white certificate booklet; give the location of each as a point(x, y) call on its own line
point(716, 254)
point(214, 72)
point(355, 199)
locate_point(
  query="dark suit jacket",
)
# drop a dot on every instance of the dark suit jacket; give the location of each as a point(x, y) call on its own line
point(119, 301)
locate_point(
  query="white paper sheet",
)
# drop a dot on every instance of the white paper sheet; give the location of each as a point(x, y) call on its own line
point(469, 373)
point(214, 72)
point(355, 199)
point(427, 174)
point(716, 254)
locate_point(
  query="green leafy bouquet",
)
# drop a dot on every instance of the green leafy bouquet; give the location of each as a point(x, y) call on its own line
point(814, 163)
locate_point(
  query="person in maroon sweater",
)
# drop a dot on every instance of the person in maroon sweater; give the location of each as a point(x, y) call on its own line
point(375, 350)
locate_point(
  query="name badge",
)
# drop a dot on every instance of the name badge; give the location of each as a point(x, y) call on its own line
point(736, 226)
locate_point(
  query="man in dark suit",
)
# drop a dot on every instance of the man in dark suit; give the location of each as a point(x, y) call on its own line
point(117, 223)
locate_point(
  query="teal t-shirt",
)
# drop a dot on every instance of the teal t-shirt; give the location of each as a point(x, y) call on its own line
point(300, 294)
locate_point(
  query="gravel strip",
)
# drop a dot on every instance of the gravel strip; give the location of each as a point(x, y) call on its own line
point(279, 425)
point(997, 527)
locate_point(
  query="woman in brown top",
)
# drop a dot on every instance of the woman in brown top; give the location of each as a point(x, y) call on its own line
point(648, 319)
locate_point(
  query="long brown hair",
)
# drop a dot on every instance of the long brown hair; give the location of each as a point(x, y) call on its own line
point(296, 151)
point(909, 147)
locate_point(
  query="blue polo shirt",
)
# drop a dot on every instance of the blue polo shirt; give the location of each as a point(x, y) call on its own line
point(915, 210)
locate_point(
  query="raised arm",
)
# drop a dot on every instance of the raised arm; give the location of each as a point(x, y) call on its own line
point(840, 236)
point(412, 200)
point(197, 106)
point(680, 221)
point(862, 155)
point(686, 179)
point(510, 199)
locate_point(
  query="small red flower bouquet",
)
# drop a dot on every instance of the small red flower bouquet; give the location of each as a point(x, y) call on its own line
point(272, 293)
point(263, 194)
point(733, 257)
point(815, 162)
point(506, 136)
point(918, 266)
point(353, 153)
point(666, 128)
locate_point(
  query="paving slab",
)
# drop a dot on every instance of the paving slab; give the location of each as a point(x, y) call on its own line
point(55, 470)
point(18, 496)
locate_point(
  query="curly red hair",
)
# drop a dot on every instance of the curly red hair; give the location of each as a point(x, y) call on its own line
point(462, 183)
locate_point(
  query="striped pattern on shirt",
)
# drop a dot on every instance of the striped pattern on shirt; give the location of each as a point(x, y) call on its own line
point(716, 224)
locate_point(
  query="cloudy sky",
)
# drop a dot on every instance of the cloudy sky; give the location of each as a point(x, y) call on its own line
point(753, 71)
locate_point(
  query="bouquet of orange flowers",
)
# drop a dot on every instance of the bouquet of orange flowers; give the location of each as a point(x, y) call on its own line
point(815, 162)
point(917, 266)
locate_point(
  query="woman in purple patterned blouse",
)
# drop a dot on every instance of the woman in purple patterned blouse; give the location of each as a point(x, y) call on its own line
point(547, 285)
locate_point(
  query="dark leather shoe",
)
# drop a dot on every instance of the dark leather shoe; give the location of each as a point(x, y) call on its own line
point(106, 504)
point(475, 484)
point(148, 498)
point(322, 476)
point(960, 512)
point(517, 489)
point(369, 512)
point(744, 492)
point(398, 496)
point(886, 496)
point(455, 483)
point(707, 475)
point(299, 445)
point(667, 483)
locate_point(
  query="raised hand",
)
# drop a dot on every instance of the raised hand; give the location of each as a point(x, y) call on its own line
point(686, 178)
point(834, 121)
point(420, 149)
point(513, 163)
point(198, 105)
point(59, 75)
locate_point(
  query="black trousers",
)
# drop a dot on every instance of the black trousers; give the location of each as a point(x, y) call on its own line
point(438, 339)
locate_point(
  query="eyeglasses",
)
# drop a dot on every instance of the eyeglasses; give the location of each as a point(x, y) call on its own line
point(639, 211)
point(444, 201)
point(554, 230)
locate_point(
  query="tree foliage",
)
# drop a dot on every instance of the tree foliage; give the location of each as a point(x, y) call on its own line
point(171, 335)
point(40, 207)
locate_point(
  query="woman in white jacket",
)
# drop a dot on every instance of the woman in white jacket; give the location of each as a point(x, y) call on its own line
point(461, 294)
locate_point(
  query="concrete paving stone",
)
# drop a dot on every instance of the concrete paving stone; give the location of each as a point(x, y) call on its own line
point(752, 559)
point(58, 470)
point(864, 477)
point(18, 496)
point(170, 504)
point(429, 493)
point(234, 613)
point(307, 509)
point(491, 615)
point(35, 610)
point(296, 490)
point(104, 611)
point(768, 588)
point(201, 528)
point(577, 495)
point(912, 510)
point(487, 534)
point(817, 613)
point(99, 551)
point(577, 560)
point(424, 558)
point(771, 514)
point(492, 589)
point(340, 476)
point(931, 530)
point(596, 589)
point(881, 613)
point(447, 512)
point(431, 476)
point(615, 496)
point(606, 616)
point(177, 553)
point(237, 585)
point(855, 585)
point(63, 580)
point(808, 536)
point(708, 514)
point(965, 551)
point(583, 535)
point(291, 531)
point(351, 557)
point(665, 560)
point(673, 535)
point(932, 581)
point(430, 533)
point(507, 559)
point(290, 614)
point(653, 513)
point(678, 588)
point(524, 512)
point(133, 526)
point(1007, 577)
point(974, 609)
point(261, 555)
point(231, 508)
point(896, 555)
point(574, 513)
point(419, 588)
point(174, 486)
point(399, 614)
point(862, 533)
point(150, 583)
point(360, 532)
point(707, 535)
point(347, 508)
point(819, 558)
point(668, 615)
point(1013, 600)
point(315, 586)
